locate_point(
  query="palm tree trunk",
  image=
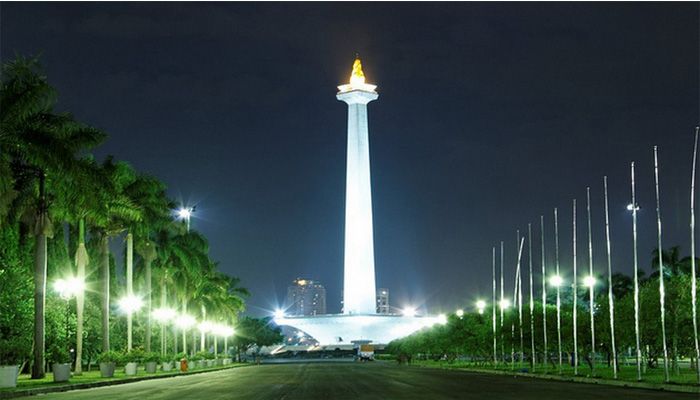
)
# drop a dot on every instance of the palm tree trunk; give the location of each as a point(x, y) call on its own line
point(105, 292)
point(163, 305)
point(202, 336)
point(42, 229)
point(81, 260)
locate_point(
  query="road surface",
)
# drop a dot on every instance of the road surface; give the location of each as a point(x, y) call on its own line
point(377, 380)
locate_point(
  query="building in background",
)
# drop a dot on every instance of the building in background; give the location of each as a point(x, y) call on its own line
point(383, 301)
point(306, 297)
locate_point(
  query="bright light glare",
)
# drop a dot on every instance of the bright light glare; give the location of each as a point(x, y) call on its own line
point(300, 334)
point(163, 314)
point(442, 319)
point(460, 313)
point(221, 330)
point(589, 281)
point(409, 312)
point(184, 213)
point(480, 305)
point(556, 281)
point(504, 304)
point(631, 207)
point(130, 304)
point(69, 287)
point(184, 321)
point(279, 314)
point(205, 326)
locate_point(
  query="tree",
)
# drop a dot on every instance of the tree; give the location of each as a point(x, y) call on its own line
point(257, 332)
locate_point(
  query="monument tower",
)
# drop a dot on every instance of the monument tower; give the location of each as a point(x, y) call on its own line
point(359, 282)
point(359, 320)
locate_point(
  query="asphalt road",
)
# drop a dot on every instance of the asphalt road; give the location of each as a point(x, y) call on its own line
point(356, 381)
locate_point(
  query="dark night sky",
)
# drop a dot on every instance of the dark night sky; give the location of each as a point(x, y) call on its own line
point(489, 115)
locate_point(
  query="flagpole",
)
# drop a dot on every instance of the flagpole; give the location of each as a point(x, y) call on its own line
point(662, 291)
point(611, 301)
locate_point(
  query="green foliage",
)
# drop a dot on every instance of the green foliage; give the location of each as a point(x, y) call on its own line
point(204, 355)
point(152, 357)
point(58, 355)
point(110, 356)
point(135, 355)
point(256, 332)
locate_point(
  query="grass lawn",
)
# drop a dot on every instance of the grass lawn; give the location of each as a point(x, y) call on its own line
point(626, 373)
point(25, 382)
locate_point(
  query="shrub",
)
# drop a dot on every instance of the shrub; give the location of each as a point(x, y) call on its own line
point(177, 357)
point(59, 355)
point(135, 355)
point(151, 357)
point(110, 356)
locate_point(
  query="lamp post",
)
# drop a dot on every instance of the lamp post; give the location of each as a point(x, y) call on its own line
point(634, 208)
point(480, 306)
point(575, 294)
point(611, 300)
point(589, 281)
point(544, 294)
point(66, 289)
point(129, 305)
point(163, 316)
point(184, 322)
point(559, 281)
point(493, 307)
point(185, 213)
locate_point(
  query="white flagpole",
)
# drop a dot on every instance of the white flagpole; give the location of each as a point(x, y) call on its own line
point(611, 301)
point(636, 277)
point(544, 295)
point(591, 288)
point(532, 300)
point(574, 286)
point(556, 260)
point(662, 291)
point(693, 281)
point(493, 308)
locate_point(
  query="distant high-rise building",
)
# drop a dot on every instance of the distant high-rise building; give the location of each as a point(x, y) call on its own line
point(306, 297)
point(383, 301)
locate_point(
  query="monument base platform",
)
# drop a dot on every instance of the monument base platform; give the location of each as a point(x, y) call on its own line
point(337, 329)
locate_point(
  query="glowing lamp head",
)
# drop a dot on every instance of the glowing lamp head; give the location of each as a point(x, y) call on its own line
point(184, 321)
point(504, 304)
point(69, 287)
point(130, 304)
point(460, 313)
point(184, 213)
point(556, 281)
point(480, 306)
point(163, 314)
point(205, 327)
point(589, 281)
point(409, 312)
point(441, 319)
point(279, 314)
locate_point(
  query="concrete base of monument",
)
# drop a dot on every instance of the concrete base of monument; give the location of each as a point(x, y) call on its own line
point(343, 329)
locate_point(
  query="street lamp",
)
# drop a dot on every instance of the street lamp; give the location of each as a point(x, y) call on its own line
point(460, 313)
point(163, 315)
point(185, 213)
point(409, 311)
point(69, 287)
point(279, 314)
point(504, 304)
point(184, 322)
point(130, 304)
point(589, 281)
point(442, 319)
point(556, 281)
point(480, 306)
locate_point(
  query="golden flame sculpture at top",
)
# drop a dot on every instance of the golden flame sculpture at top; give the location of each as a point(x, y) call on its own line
point(357, 79)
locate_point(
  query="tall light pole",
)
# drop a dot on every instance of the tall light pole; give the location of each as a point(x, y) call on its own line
point(590, 280)
point(693, 279)
point(634, 208)
point(129, 284)
point(662, 291)
point(557, 284)
point(493, 307)
point(574, 286)
point(544, 294)
point(533, 357)
point(503, 349)
point(611, 301)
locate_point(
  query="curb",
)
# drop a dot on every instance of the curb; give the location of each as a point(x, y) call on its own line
point(65, 388)
point(580, 379)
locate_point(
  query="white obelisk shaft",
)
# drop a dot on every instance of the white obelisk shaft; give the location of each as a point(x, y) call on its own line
point(359, 284)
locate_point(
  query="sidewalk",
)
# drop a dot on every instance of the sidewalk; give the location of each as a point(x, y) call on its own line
point(64, 387)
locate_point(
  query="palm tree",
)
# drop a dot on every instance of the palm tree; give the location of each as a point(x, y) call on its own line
point(40, 147)
point(119, 211)
point(149, 194)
